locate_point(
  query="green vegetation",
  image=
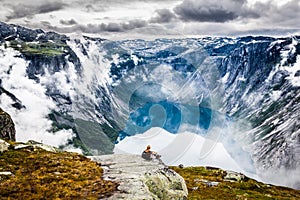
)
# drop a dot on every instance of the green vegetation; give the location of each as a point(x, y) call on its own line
point(40, 174)
point(246, 189)
point(40, 48)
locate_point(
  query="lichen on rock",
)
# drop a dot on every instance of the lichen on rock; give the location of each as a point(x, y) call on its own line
point(166, 184)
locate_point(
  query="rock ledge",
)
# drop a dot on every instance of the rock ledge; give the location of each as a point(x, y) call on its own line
point(141, 179)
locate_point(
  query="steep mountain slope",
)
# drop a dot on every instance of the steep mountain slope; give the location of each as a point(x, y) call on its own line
point(87, 94)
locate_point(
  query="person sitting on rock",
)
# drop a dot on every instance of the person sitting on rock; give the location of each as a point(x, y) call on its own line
point(149, 155)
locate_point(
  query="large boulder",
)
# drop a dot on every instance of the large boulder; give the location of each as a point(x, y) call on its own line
point(164, 183)
point(7, 127)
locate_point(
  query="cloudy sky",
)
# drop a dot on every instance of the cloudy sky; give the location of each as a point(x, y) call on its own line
point(156, 18)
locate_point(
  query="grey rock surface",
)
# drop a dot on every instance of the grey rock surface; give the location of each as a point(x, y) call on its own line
point(33, 145)
point(234, 176)
point(141, 179)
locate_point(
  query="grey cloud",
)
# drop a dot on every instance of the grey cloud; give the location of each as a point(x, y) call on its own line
point(206, 15)
point(30, 9)
point(288, 14)
point(267, 32)
point(98, 28)
point(95, 8)
point(68, 22)
point(163, 16)
point(210, 11)
point(46, 24)
point(103, 5)
point(120, 27)
point(268, 16)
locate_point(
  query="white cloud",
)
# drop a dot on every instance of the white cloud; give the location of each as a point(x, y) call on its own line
point(31, 122)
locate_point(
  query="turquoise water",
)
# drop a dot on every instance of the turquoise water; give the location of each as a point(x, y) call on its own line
point(167, 115)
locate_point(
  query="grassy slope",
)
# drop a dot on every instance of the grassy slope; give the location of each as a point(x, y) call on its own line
point(41, 48)
point(247, 189)
point(39, 174)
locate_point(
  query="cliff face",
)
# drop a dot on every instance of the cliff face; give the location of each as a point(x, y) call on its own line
point(7, 127)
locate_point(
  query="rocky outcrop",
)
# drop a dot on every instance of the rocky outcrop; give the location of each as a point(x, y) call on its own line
point(7, 127)
point(3, 145)
point(12, 32)
point(141, 179)
point(234, 176)
point(31, 144)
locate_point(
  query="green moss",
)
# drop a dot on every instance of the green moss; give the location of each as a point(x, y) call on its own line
point(41, 48)
point(153, 188)
point(39, 174)
point(247, 189)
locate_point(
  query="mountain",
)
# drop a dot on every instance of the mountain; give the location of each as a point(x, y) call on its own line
point(88, 94)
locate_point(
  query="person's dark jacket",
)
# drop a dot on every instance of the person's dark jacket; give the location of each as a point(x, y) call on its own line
point(147, 155)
